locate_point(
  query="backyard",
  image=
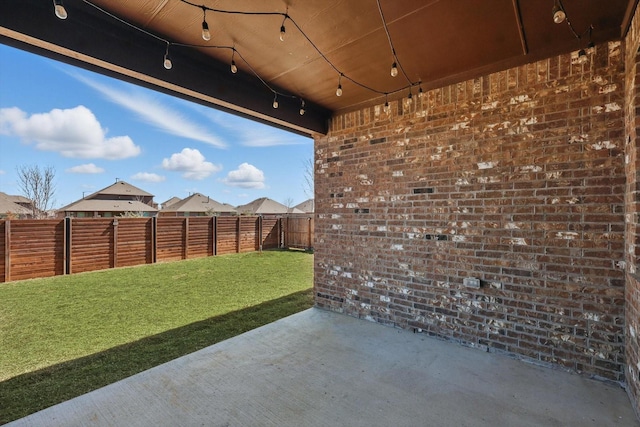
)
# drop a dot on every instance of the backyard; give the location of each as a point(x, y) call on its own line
point(67, 335)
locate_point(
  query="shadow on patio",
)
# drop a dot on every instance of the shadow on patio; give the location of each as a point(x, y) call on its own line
point(319, 368)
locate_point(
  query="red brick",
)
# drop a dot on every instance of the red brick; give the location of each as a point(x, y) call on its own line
point(529, 196)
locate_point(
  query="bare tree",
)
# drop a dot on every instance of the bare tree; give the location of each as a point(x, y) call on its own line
point(37, 185)
point(288, 202)
point(308, 177)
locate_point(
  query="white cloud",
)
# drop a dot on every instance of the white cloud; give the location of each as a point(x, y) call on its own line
point(246, 176)
point(154, 113)
point(2, 172)
point(73, 132)
point(192, 163)
point(148, 177)
point(254, 134)
point(86, 168)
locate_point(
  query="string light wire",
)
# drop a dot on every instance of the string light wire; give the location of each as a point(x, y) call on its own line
point(396, 62)
point(578, 36)
point(285, 17)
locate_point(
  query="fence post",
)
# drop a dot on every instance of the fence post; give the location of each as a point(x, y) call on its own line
point(69, 248)
point(115, 243)
point(238, 235)
point(215, 235)
point(287, 233)
point(7, 250)
point(260, 233)
point(154, 240)
point(185, 235)
point(309, 228)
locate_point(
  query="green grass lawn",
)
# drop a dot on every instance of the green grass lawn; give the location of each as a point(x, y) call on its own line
point(64, 336)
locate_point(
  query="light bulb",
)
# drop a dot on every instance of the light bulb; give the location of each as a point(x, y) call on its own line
point(302, 110)
point(59, 9)
point(206, 35)
point(410, 97)
point(558, 14)
point(283, 33)
point(394, 70)
point(167, 60)
point(339, 90)
point(582, 56)
point(386, 107)
point(591, 48)
point(234, 69)
point(275, 101)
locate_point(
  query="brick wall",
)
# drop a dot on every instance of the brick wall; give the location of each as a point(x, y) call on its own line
point(516, 178)
point(632, 205)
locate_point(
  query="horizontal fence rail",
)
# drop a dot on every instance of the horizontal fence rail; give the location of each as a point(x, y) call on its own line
point(32, 248)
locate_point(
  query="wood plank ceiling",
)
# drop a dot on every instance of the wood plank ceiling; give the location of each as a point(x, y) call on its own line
point(437, 42)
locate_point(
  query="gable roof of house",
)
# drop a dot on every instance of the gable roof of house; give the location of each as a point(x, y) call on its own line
point(265, 205)
point(307, 206)
point(198, 203)
point(121, 188)
point(15, 198)
point(88, 205)
point(8, 206)
point(170, 202)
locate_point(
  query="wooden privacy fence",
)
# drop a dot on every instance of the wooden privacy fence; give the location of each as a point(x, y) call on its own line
point(42, 248)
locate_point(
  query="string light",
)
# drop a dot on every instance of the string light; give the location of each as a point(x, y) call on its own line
point(168, 63)
point(302, 110)
point(283, 30)
point(591, 47)
point(59, 9)
point(394, 70)
point(234, 68)
point(558, 12)
point(387, 108)
point(206, 35)
point(560, 15)
point(167, 60)
point(410, 97)
point(582, 56)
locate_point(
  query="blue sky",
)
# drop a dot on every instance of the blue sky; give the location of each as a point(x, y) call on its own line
point(93, 129)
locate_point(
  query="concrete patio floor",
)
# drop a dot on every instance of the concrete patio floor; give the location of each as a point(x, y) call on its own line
point(318, 368)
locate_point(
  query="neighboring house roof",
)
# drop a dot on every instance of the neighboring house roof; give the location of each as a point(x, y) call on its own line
point(307, 206)
point(16, 199)
point(265, 205)
point(170, 202)
point(121, 188)
point(85, 205)
point(8, 206)
point(198, 203)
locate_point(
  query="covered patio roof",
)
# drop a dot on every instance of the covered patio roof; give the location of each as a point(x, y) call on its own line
point(327, 43)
